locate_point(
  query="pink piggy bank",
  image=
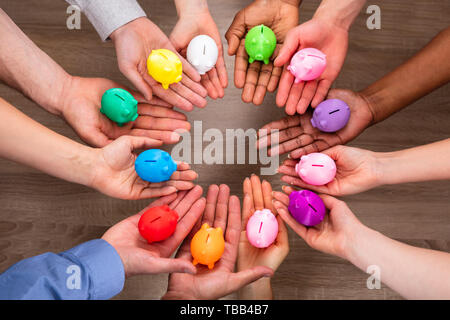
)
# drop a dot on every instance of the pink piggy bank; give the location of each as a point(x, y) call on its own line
point(262, 228)
point(316, 169)
point(307, 64)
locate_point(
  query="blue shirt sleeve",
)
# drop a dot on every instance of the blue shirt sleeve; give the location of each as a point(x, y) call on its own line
point(92, 270)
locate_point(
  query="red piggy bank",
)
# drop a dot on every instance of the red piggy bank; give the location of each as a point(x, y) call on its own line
point(158, 223)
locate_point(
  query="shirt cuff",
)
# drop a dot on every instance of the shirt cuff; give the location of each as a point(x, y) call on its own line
point(104, 266)
point(108, 15)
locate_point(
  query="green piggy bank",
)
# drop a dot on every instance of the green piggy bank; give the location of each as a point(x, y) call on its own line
point(119, 106)
point(260, 43)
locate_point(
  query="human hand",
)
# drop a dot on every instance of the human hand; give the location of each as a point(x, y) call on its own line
point(134, 41)
point(80, 107)
point(258, 196)
point(298, 137)
point(140, 257)
point(334, 235)
point(317, 33)
point(358, 170)
point(194, 23)
point(258, 78)
point(113, 171)
point(221, 211)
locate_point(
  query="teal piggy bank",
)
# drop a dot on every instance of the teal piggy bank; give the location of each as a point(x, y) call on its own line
point(119, 106)
point(260, 43)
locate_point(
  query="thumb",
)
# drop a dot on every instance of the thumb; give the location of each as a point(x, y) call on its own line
point(136, 143)
point(154, 265)
point(132, 74)
point(290, 45)
point(235, 33)
point(245, 277)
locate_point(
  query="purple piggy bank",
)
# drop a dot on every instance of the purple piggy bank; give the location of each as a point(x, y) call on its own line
point(306, 207)
point(331, 115)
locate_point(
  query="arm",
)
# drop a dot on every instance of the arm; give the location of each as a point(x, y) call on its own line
point(107, 16)
point(403, 86)
point(78, 273)
point(415, 273)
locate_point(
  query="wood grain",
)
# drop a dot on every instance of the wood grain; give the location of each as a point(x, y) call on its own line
point(40, 213)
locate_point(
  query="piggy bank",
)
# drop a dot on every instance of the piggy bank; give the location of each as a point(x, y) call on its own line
point(119, 106)
point(202, 53)
point(260, 43)
point(262, 228)
point(155, 165)
point(306, 207)
point(158, 223)
point(207, 245)
point(307, 64)
point(165, 67)
point(330, 115)
point(316, 169)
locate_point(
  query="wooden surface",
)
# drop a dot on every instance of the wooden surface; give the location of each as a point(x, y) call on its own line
point(40, 213)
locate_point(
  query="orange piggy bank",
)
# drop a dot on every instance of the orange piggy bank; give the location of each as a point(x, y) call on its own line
point(207, 245)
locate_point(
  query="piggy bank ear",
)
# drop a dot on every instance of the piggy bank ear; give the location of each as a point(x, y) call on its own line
point(219, 230)
point(205, 226)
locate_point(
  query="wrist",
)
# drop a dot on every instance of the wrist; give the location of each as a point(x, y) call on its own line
point(191, 8)
point(340, 15)
point(260, 289)
point(388, 169)
point(296, 3)
point(360, 252)
point(132, 25)
point(171, 295)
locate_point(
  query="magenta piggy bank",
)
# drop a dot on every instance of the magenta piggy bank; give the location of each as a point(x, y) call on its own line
point(306, 207)
point(316, 169)
point(307, 64)
point(330, 115)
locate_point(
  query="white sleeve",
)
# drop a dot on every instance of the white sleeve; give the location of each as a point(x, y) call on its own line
point(109, 15)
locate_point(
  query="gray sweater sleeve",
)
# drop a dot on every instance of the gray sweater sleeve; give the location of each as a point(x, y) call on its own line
point(108, 15)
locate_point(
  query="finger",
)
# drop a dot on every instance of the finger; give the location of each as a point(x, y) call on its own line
point(321, 92)
point(186, 225)
point(188, 70)
point(161, 201)
point(232, 234)
point(166, 124)
point(196, 87)
point(282, 239)
point(211, 200)
point(178, 184)
point(132, 74)
point(307, 94)
point(258, 199)
point(137, 143)
point(281, 197)
point(186, 175)
point(155, 265)
point(241, 279)
point(145, 109)
point(267, 195)
point(299, 141)
point(315, 146)
point(96, 138)
point(207, 83)
point(286, 216)
point(214, 77)
point(289, 47)
point(222, 69)
point(220, 219)
point(168, 137)
point(180, 196)
point(294, 97)
point(235, 33)
point(274, 79)
point(247, 209)
point(251, 80)
point(286, 122)
point(288, 190)
point(331, 202)
point(284, 87)
point(172, 97)
point(187, 201)
point(181, 166)
point(240, 66)
point(184, 91)
point(184, 252)
point(157, 192)
point(263, 82)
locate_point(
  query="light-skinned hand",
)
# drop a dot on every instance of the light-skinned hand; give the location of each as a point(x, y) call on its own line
point(140, 257)
point(225, 212)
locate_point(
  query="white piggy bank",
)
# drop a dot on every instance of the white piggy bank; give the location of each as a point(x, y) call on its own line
point(202, 53)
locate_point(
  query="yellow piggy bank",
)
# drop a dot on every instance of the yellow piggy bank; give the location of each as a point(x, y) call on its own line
point(164, 66)
point(207, 245)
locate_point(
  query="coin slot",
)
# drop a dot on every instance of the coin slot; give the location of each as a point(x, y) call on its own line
point(204, 49)
point(149, 160)
point(312, 207)
point(155, 219)
point(260, 227)
point(333, 111)
point(317, 165)
point(119, 97)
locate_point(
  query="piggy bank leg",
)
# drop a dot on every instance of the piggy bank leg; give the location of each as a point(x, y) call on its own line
point(266, 61)
point(165, 86)
point(250, 60)
point(210, 266)
point(194, 262)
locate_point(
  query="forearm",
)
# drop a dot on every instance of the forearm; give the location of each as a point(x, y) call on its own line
point(259, 290)
point(340, 13)
point(423, 163)
point(25, 141)
point(415, 273)
point(426, 71)
point(28, 69)
point(191, 7)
